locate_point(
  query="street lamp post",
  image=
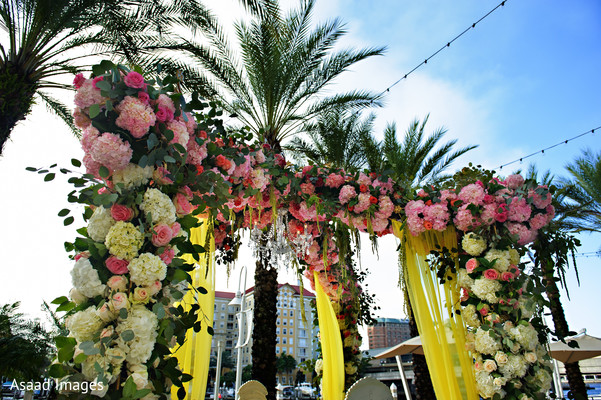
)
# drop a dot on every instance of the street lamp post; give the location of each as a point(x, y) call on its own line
point(218, 373)
point(239, 301)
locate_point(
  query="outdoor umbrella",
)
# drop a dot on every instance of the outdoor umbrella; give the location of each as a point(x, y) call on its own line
point(588, 347)
point(411, 346)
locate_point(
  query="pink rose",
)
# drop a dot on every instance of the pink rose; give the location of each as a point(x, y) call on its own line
point(515, 270)
point(105, 313)
point(143, 97)
point(507, 276)
point(484, 310)
point(120, 212)
point(134, 80)
point(161, 235)
point(175, 228)
point(83, 254)
point(116, 265)
point(78, 80)
point(491, 274)
point(96, 80)
point(182, 205)
point(164, 114)
point(119, 300)
point(471, 265)
point(117, 283)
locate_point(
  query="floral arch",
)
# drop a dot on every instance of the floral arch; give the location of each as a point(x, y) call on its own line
point(165, 183)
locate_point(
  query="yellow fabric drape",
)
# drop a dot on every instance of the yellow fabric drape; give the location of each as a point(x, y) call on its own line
point(332, 383)
point(442, 331)
point(194, 354)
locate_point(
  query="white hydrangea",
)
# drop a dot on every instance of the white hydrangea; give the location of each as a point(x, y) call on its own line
point(543, 378)
point(485, 383)
point(85, 279)
point(159, 205)
point(470, 316)
point(147, 269)
point(144, 324)
point(124, 240)
point(473, 244)
point(84, 324)
point(503, 259)
point(527, 306)
point(486, 289)
point(515, 367)
point(99, 224)
point(525, 335)
point(133, 176)
point(514, 257)
point(485, 343)
point(463, 279)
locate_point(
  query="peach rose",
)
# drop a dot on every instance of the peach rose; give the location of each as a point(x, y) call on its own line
point(155, 288)
point(490, 366)
point(507, 276)
point(107, 332)
point(182, 205)
point(471, 265)
point(117, 283)
point(491, 274)
point(141, 295)
point(105, 313)
point(119, 301)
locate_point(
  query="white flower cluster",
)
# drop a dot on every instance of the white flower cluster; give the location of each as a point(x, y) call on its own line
point(486, 344)
point(144, 324)
point(146, 269)
point(84, 324)
point(504, 258)
point(525, 335)
point(486, 289)
point(133, 176)
point(159, 206)
point(473, 244)
point(85, 279)
point(99, 224)
point(124, 240)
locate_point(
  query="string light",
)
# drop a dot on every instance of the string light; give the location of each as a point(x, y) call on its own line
point(589, 254)
point(550, 147)
point(448, 44)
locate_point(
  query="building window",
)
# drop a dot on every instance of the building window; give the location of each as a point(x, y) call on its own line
point(302, 342)
point(285, 313)
point(291, 351)
point(221, 324)
point(278, 322)
point(291, 341)
point(284, 331)
point(277, 339)
point(277, 330)
point(291, 331)
point(302, 333)
point(285, 322)
point(292, 313)
point(302, 352)
point(291, 322)
point(283, 340)
point(223, 307)
point(277, 349)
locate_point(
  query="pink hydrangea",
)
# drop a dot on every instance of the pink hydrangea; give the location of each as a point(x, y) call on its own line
point(260, 157)
point(514, 181)
point(165, 101)
point(363, 203)
point(519, 210)
point(447, 195)
point(379, 224)
point(134, 80)
point(363, 179)
point(385, 187)
point(307, 188)
point(180, 133)
point(111, 151)
point(190, 122)
point(92, 166)
point(347, 193)
point(538, 221)
point(196, 152)
point(334, 180)
point(87, 95)
point(386, 208)
point(464, 220)
point(307, 213)
point(243, 170)
point(540, 201)
point(438, 215)
point(89, 136)
point(488, 213)
point(472, 193)
point(81, 119)
point(524, 234)
point(135, 116)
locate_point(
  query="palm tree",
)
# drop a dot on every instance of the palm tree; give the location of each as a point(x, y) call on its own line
point(48, 39)
point(583, 192)
point(273, 90)
point(413, 163)
point(285, 363)
point(334, 139)
point(25, 346)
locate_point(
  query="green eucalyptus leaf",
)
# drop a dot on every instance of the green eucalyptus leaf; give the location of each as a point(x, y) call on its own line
point(94, 110)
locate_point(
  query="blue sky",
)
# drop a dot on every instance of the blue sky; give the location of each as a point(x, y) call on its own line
point(525, 78)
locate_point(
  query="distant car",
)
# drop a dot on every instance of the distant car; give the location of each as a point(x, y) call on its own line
point(288, 393)
point(305, 391)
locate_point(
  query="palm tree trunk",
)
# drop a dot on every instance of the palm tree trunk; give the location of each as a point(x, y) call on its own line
point(16, 98)
point(265, 314)
point(577, 386)
point(423, 383)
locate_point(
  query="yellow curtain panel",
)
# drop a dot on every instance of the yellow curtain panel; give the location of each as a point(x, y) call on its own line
point(441, 329)
point(194, 354)
point(332, 384)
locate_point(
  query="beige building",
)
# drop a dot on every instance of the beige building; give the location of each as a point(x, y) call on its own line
point(295, 334)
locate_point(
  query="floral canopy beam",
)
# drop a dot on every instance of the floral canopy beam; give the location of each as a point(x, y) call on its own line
point(154, 162)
